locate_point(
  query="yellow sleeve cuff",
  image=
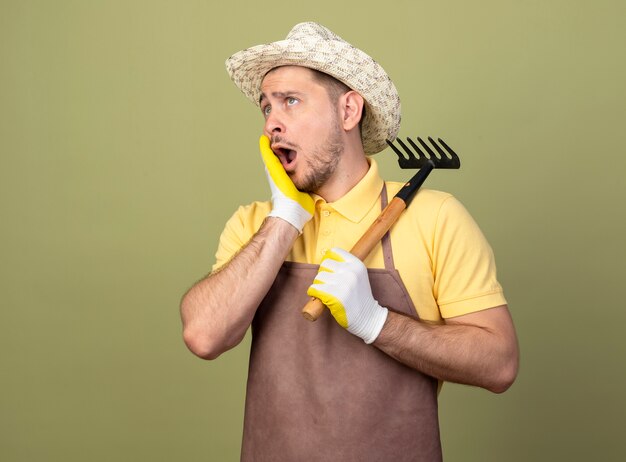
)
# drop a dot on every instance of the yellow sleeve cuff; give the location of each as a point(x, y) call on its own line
point(471, 305)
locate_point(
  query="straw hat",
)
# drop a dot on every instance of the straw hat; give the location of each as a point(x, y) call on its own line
point(311, 45)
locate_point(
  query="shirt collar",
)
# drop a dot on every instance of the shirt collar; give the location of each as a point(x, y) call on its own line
point(355, 204)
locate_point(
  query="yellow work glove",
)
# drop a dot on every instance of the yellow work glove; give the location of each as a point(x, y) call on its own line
point(342, 284)
point(288, 203)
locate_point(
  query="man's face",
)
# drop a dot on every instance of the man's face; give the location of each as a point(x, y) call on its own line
point(302, 125)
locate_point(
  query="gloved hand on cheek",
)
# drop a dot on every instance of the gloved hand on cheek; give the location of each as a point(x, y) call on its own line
point(288, 203)
point(342, 284)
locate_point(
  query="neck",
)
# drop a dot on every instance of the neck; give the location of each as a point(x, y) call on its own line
point(352, 167)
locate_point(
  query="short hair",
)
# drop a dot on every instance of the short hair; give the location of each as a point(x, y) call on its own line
point(335, 88)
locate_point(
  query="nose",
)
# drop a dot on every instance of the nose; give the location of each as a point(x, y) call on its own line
point(273, 124)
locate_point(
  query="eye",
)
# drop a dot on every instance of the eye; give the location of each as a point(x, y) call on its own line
point(266, 110)
point(291, 101)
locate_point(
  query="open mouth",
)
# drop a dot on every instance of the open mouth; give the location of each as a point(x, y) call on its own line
point(286, 156)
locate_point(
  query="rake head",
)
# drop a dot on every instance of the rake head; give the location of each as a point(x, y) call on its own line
point(417, 158)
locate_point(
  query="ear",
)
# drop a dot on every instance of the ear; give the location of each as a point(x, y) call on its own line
point(352, 105)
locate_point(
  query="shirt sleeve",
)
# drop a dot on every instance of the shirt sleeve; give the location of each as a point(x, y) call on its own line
point(239, 229)
point(463, 262)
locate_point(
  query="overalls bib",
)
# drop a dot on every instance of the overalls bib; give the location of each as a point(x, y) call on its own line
point(318, 393)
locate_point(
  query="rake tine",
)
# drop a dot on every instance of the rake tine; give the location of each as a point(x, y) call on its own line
point(431, 153)
point(409, 153)
point(397, 151)
point(404, 161)
point(444, 157)
point(455, 158)
point(420, 153)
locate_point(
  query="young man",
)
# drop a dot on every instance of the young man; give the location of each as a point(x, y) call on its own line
point(361, 383)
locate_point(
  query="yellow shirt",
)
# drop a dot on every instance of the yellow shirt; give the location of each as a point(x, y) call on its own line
point(442, 256)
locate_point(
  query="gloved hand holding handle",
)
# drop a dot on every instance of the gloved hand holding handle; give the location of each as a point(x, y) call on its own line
point(343, 286)
point(288, 203)
point(314, 307)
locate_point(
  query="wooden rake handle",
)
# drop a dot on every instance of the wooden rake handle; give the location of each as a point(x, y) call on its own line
point(314, 307)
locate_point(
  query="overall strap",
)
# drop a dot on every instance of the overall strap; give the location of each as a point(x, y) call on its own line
point(386, 240)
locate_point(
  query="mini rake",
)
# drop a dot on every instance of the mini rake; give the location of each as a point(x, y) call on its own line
point(426, 162)
point(416, 158)
point(444, 159)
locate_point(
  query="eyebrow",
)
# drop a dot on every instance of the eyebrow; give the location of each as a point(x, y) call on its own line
point(279, 95)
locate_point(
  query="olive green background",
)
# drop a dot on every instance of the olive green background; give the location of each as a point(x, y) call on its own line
point(124, 147)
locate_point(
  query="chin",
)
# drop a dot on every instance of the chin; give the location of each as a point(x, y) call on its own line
point(301, 186)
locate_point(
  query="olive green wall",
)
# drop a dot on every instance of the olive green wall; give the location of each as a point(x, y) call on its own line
point(124, 147)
